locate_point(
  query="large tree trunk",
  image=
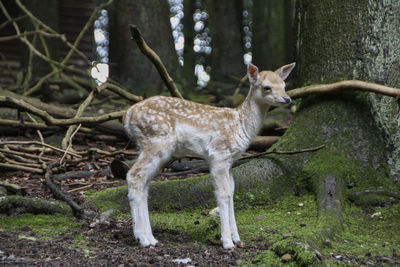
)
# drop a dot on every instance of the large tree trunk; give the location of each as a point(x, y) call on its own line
point(189, 33)
point(272, 44)
point(364, 48)
point(268, 45)
point(225, 21)
point(127, 62)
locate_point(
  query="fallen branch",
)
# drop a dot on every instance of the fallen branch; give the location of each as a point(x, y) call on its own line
point(39, 144)
point(14, 205)
point(24, 106)
point(146, 50)
point(28, 125)
point(76, 209)
point(20, 168)
point(72, 175)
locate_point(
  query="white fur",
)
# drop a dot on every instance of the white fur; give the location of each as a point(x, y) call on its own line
point(180, 127)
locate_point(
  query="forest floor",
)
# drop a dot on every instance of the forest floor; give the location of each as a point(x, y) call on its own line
point(187, 238)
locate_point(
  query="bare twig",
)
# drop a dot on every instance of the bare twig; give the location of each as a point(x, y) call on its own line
point(312, 149)
point(107, 153)
point(22, 154)
point(84, 29)
point(52, 31)
point(122, 92)
point(169, 82)
point(21, 163)
point(69, 143)
point(80, 188)
point(39, 144)
point(3, 58)
point(12, 20)
point(344, 86)
point(34, 88)
point(68, 136)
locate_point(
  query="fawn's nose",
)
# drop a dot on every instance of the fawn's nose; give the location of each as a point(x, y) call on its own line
point(287, 99)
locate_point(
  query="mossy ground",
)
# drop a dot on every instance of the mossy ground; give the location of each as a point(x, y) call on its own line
point(44, 227)
point(267, 227)
point(272, 227)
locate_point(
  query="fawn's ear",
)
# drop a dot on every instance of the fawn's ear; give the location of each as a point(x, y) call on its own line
point(284, 71)
point(252, 72)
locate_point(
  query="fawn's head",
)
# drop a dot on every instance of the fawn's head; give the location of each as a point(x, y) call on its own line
point(268, 86)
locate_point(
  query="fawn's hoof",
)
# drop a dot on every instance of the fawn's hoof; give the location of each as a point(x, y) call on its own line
point(228, 244)
point(148, 241)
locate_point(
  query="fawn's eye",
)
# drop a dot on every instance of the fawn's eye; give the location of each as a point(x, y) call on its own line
point(267, 89)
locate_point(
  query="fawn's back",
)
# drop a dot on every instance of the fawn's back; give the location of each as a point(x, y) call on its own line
point(192, 128)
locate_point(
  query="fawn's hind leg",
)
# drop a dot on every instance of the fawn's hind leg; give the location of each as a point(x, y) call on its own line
point(232, 220)
point(138, 178)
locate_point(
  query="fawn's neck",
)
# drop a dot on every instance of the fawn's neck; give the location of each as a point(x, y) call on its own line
point(251, 114)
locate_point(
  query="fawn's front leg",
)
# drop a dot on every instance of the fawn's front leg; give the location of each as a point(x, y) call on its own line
point(223, 194)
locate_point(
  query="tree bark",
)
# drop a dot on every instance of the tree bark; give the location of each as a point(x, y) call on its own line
point(189, 33)
point(365, 48)
point(225, 20)
point(128, 63)
point(268, 44)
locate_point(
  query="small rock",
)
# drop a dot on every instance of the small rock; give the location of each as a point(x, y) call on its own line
point(285, 236)
point(396, 254)
point(105, 215)
point(376, 214)
point(286, 257)
point(338, 257)
point(261, 217)
point(301, 204)
point(93, 224)
point(214, 212)
point(204, 213)
point(27, 238)
point(182, 261)
point(387, 260)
